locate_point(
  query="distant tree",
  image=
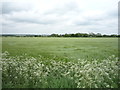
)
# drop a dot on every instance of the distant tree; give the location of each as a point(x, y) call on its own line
point(67, 35)
point(92, 34)
point(113, 35)
point(98, 35)
point(78, 35)
point(85, 35)
point(54, 35)
point(104, 35)
point(72, 35)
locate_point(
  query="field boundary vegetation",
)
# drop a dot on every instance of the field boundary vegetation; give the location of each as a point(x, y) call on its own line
point(62, 35)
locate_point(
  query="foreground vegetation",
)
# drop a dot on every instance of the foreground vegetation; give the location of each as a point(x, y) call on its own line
point(29, 72)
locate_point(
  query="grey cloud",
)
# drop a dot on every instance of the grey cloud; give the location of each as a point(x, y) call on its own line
point(8, 7)
point(8, 25)
point(34, 20)
point(84, 23)
point(107, 16)
point(119, 9)
point(0, 8)
point(66, 8)
point(114, 13)
point(89, 21)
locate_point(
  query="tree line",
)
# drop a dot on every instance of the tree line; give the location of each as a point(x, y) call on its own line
point(63, 35)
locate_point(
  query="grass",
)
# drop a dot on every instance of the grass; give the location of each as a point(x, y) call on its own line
point(75, 48)
point(60, 62)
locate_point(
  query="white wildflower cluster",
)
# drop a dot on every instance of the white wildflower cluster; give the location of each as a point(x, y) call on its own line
point(32, 72)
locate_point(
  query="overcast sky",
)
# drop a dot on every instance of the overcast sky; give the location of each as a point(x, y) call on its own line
point(59, 16)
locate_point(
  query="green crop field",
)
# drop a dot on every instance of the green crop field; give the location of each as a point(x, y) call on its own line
point(47, 62)
point(76, 48)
